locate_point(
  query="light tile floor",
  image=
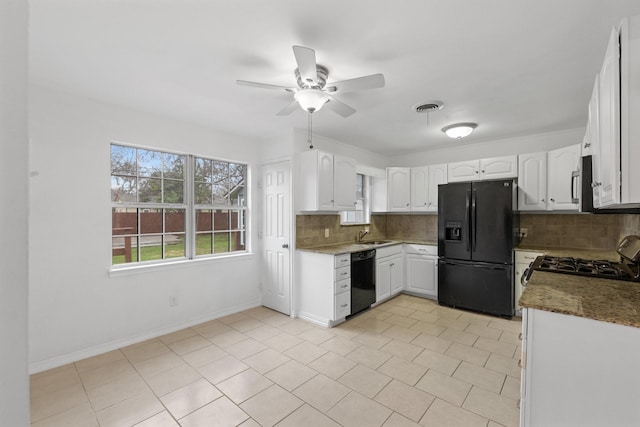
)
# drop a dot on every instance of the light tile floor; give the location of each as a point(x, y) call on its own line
point(407, 362)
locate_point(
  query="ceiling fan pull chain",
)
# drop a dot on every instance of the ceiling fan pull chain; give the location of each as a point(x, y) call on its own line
point(309, 136)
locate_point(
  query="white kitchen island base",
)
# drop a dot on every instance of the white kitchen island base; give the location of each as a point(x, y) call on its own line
point(578, 372)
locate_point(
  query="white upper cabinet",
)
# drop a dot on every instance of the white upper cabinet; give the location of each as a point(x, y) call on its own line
point(545, 179)
point(414, 189)
point(398, 189)
point(420, 188)
point(464, 171)
point(328, 182)
point(607, 158)
point(499, 167)
point(437, 176)
point(491, 168)
point(344, 183)
point(532, 182)
point(614, 128)
point(561, 187)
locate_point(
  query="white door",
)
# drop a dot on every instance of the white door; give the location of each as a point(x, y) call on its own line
point(419, 188)
point(532, 181)
point(560, 185)
point(609, 115)
point(276, 288)
point(437, 176)
point(499, 167)
point(398, 189)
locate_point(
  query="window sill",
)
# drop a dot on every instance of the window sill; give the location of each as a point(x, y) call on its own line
point(128, 270)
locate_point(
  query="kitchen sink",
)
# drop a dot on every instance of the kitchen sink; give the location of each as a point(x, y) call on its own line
point(375, 242)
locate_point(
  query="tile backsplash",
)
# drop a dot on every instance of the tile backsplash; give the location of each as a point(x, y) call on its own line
point(600, 232)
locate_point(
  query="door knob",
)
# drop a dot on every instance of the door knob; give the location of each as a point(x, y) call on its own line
point(285, 246)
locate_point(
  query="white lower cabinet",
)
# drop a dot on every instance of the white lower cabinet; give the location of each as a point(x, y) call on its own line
point(422, 270)
point(325, 287)
point(578, 371)
point(389, 272)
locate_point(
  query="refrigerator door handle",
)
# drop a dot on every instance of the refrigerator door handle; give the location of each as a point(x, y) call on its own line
point(473, 220)
point(466, 220)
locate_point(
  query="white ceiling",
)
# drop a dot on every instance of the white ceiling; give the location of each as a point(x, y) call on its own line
point(516, 67)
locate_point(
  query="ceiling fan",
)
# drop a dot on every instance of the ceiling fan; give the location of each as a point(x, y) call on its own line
point(312, 91)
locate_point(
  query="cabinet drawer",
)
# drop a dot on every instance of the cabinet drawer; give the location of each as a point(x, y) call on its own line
point(421, 249)
point(342, 286)
point(526, 257)
point(342, 273)
point(342, 305)
point(343, 260)
point(388, 251)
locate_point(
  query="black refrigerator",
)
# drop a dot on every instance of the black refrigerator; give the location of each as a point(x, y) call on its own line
point(477, 230)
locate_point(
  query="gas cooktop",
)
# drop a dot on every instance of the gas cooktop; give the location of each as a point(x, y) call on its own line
point(586, 267)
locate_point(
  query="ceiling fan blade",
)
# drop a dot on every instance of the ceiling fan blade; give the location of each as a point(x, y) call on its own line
point(306, 59)
point(288, 109)
point(339, 107)
point(360, 83)
point(264, 86)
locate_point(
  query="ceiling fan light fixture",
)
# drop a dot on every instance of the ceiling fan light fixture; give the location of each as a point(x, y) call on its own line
point(459, 130)
point(311, 100)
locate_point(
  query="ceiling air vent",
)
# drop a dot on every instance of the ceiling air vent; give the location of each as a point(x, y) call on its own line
point(428, 107)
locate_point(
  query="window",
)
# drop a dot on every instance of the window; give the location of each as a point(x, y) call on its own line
point(155, 217)
point(362, 212)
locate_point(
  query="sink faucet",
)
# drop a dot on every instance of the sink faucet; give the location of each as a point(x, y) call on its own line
point(361, 235)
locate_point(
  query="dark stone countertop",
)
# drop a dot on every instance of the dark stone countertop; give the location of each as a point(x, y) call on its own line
point(608, 300)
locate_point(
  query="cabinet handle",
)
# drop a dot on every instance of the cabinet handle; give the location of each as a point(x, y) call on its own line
point(343, 274)
point(587, 144)
point(343, 306)
point(520, 363)
point(542, 200)
point(425, 204)
point(520, 336)
point(355, 203)
point(407, 204)
point(392, 264)
point(285, 246)
point(344, 286)
point(482, 171)
point(553, 200)
point(477, 172)
point(331, 201)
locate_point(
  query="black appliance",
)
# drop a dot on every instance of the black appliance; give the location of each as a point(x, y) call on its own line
point(628, 268)
point(363, 280)
point(581, 189)
point(477, 231)
point(584, 267)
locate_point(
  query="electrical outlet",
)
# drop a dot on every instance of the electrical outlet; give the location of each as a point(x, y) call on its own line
point(326, 232)
point(173, 301)
point(523, 233)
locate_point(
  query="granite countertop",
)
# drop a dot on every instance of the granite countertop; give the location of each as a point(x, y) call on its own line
point(343, 248)
point(608, 300)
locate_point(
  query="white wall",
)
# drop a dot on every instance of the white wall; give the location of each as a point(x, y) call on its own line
point(14, 381)
point(77, 309)
point(469, 151)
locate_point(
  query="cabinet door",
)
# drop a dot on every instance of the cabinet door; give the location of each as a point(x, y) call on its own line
point(499, 167)
point(396, 274)
point(325, 181)
point(560, 186)
point(419, 188)
point(421, 274)
point(463, 171)
point(398, 189)
point(593, 128)
point(608, 182)
point(383, 278)
point(532, 181)
point(437, 176)
point(344, 183)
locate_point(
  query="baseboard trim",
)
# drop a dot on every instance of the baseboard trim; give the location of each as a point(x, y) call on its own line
point(75, 356)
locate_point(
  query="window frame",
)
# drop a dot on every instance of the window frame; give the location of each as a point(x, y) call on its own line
point(189, 207)
point(366, 204)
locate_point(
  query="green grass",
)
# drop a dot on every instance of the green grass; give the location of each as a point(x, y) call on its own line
point(203, 247)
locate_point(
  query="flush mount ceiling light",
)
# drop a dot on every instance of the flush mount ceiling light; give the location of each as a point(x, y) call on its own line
point(459, 130)
point(311, 99)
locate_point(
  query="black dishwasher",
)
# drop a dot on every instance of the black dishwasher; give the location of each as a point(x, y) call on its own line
point(363, 280)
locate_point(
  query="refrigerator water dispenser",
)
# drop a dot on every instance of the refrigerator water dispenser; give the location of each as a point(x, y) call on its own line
point(453, 230)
